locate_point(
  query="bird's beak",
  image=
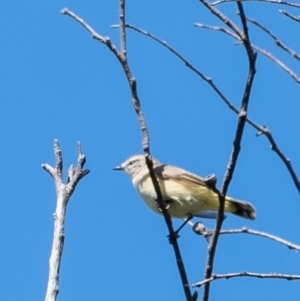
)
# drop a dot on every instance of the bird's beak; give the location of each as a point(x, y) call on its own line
point(118, 167)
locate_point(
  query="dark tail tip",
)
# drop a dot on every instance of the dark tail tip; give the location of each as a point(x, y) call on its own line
point(245, 210)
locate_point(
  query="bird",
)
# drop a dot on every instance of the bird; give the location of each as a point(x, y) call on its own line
point(186, 194)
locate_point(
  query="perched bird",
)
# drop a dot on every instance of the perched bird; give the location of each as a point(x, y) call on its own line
point(185, 193)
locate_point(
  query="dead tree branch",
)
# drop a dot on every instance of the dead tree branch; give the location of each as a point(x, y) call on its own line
point(246, 274)
point(63, 194)
point(262, 51)
point(200, 229)
point(285, 13)
point(297, 5)
point(275, 38)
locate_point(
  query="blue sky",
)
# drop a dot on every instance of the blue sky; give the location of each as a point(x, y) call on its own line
point(57, 82)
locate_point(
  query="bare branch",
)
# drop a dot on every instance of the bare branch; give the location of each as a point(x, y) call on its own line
point(236, 149)
point(56, 173)
point(223, 18)
point(263, 234)
point(277, 41)
point(297, 19)
point(244, 37)
point(188, 64)
point(49, 169)
point(123, 29)
point(265, 131)
point(122, 57)
point(246, 274)
point(76, 174)
point(59, 159)
point(217, 28)
point(278, 62)
point(262, 51)
point(200, 229)
point(266, 1)
point(63, 194)
point(105, 40)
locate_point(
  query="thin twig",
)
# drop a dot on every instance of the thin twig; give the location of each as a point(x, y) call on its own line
point(266, 1)
point(105, 40)
point(200, 229)
point(278, 62)
point(247, 274)
point(122, 57)
point(223, 18)
point(262, 51)
point(63, 194)
point(277, 41)
point(263, 234)
point(187, 63)
point(217, 28)
point(285, 13)
point(265, 131)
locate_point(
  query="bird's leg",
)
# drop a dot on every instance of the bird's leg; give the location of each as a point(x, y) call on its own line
point(176, 235)
point(186, 221)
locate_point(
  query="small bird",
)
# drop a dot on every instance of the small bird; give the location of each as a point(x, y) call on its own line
point(185, 193)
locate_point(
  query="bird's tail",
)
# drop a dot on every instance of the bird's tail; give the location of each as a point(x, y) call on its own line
point(240, 208)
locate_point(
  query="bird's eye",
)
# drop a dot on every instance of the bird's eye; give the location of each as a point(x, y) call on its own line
point(130, 162)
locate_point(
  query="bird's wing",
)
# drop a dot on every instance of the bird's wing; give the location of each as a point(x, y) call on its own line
point(178, 174)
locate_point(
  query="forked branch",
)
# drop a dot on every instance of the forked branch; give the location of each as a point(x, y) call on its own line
point(63, 194)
